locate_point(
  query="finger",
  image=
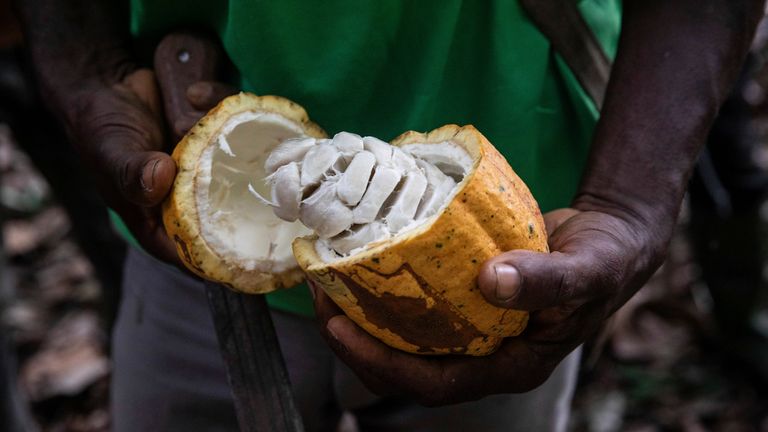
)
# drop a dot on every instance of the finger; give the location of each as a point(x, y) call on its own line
point(142, 177)
point(555, 218)
point(376, 363)
point(184, 123)
point(431, 381)
point(146, 226)
point(162, 248)
point(156, 241)
point(526, 280)
point(204, 95)
point(436, 381)
point(325, 310)
point(143, 83)
point(558, 329)
point(520, 366)
point(360, 351)
point(122, 138)
point(372, 381)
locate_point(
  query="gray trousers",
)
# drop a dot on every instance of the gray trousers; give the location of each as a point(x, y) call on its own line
point(169, 376)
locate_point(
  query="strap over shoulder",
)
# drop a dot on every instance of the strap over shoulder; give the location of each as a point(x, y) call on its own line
point(561, 22)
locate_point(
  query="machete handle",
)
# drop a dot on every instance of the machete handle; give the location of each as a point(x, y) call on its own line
point(182, 59)
point(251, 352)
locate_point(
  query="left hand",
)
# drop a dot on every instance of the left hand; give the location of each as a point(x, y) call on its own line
point(119, 131)
point(599, 260)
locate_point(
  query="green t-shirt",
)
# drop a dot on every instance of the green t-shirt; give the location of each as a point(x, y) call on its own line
point(384, 67)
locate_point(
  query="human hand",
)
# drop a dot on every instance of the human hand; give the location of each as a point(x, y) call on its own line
point(120, 131)
point(598, 260)
point(652, 125)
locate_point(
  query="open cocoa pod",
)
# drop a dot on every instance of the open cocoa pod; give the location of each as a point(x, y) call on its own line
point(394, 233)
point(408, 274)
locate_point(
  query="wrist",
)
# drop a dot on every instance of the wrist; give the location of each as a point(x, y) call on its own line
point(86, 46)
point(634, 206)
point(642, 228)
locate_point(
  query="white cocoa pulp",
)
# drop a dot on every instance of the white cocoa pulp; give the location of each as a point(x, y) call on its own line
point(241, 229)
point(354, 191)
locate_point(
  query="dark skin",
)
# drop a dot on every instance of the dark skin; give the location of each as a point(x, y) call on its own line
point(112, 108)
point(675, 65)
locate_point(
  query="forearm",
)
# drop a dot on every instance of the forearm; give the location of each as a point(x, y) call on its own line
point(75, 45)
point(675, 65)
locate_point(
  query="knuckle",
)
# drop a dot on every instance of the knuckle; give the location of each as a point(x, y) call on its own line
point(658, 252)
point(571, 283)
point(610, 272)
point(606, 281)
point(125, 177)
point(598, 274)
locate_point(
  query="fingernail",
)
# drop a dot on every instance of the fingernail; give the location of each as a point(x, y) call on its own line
point(148, 175)
point(329, 327)
point(507, 281)
point(312, 290)
point(333, 322)
point(200, 91)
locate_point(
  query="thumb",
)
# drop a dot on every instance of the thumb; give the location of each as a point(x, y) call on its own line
point(533, 281)
point(143, 177)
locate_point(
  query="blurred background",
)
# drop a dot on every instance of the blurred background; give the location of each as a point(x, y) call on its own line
point(688, 353)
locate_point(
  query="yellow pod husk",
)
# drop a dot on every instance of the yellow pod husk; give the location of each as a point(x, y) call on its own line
point(186, 211)
point(418, 290)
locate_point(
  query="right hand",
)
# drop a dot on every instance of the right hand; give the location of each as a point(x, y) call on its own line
point(119, 130)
